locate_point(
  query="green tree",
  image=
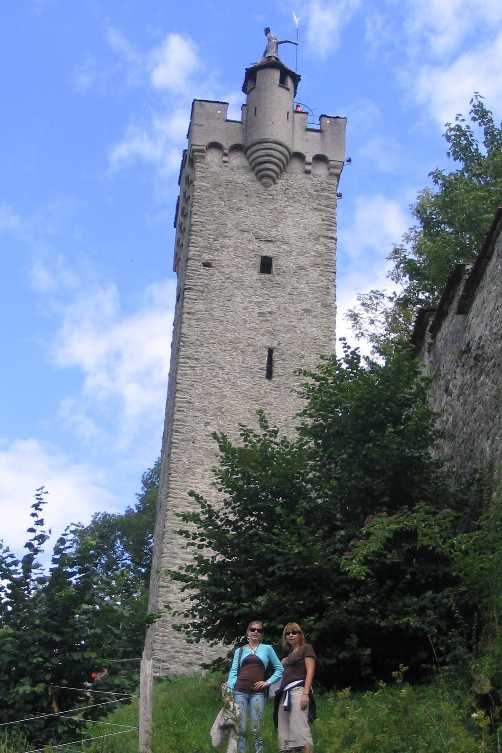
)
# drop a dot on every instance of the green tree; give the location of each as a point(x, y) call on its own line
point(40, 636)
point(451, 222)
point(293, 509)
point(85, 612)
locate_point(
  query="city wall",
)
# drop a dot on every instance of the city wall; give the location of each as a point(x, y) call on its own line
point(460, 342)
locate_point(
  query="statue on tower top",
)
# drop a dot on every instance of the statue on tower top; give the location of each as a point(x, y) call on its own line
point(272, 48)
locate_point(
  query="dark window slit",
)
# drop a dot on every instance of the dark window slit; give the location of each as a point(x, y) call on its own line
point(269, 370)
point(266, 265)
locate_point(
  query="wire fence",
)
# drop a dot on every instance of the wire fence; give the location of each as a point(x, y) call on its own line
point(70, 714)
point(81, 740)
point(61, 713)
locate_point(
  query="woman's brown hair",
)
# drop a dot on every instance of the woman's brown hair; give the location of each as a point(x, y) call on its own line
point(287, 628)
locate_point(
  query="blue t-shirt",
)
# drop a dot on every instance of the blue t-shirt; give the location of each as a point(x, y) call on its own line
point(265, 653)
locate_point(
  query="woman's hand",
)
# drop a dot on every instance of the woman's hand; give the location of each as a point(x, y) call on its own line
point(261, 685)
point(304, 701)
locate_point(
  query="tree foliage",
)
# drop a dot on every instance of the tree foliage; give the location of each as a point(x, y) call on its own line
point(294, 509)
point(451, 222)
point(84, 613)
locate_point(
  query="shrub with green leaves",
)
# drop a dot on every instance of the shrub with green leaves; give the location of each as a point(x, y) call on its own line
point(293, 508)
point(405, 719)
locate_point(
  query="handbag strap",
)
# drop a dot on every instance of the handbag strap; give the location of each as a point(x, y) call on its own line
point(239, 656)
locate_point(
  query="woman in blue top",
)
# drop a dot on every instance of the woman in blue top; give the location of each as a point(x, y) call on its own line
point(247, 681)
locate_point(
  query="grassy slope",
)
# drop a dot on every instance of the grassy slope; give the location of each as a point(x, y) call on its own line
point(398, 719)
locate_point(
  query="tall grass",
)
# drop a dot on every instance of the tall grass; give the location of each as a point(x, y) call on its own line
point(434, 718)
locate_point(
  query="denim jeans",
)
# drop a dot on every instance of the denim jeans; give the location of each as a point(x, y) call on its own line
point(252, 706)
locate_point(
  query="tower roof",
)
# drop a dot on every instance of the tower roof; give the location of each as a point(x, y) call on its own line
point(269, 62)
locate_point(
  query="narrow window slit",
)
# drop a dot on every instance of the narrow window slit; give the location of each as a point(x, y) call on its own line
point(266, 265)
point(269, 370)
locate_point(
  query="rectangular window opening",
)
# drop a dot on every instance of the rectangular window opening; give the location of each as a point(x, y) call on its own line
point(269, 371)
point(266, 265)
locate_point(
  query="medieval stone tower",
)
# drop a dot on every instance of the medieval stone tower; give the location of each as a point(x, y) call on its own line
point(255, 260)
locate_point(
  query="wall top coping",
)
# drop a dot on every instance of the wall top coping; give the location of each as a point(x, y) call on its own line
point(209, 126)
point(430, 319)
point(420, 327)
point(480, 264)
point(217, 110)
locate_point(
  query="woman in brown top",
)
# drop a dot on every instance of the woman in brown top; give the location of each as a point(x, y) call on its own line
point(295, 693)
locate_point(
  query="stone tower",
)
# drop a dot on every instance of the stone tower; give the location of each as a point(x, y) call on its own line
point(255, 260)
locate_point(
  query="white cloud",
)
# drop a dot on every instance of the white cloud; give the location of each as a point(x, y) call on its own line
point(441, 26)
point(123, 357)
point(378, 223)
point(386, 154)
point(76, 490)
point(379, 34)
point(158, 137)
point(442, 51)
point(75, 415)
point(173, 62)
point(123, 48)
point(325, 20)
point(446, 90)
point(359, 280)
point(59, 276)
point(157, 142)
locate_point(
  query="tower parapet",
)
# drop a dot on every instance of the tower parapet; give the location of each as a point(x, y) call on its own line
point(271, 130)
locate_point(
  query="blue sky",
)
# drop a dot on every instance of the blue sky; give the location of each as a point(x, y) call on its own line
point(96, 99)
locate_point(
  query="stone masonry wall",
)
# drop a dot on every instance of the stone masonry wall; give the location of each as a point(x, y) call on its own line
point(461, 345)
point(227, 316)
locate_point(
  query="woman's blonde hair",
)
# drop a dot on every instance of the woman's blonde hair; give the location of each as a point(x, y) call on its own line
point(287, 628)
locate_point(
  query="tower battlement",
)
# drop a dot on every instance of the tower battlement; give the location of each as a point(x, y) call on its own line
point(270, 130)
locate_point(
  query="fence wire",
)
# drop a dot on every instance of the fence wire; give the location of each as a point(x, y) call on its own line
point(68, 713)
point(83, 740)
point(90, 690)
point(60, 713)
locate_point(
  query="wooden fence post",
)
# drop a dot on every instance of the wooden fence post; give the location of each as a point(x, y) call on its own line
point(146, 697)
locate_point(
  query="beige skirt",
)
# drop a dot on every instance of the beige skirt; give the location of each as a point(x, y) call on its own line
point(293, 725)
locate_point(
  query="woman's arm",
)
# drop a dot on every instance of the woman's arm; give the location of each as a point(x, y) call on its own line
point(310, 667)
point(273, 659)
point(234, 670)
point(276, 665)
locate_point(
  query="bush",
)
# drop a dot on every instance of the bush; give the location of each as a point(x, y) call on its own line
point(405, 719)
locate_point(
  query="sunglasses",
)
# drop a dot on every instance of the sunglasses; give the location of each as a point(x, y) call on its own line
point(255, 630)
point(293, 632)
